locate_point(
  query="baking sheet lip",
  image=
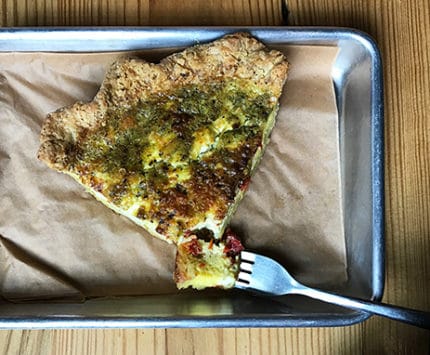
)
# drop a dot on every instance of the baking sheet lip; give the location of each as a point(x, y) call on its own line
point(305, 34)
point(250, 321)
point(44, 34)
point(377, 168)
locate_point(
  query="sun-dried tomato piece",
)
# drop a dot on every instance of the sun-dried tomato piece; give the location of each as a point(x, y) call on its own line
point(233, 246)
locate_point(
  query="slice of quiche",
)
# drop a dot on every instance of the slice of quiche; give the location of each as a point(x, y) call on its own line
point(172, 146)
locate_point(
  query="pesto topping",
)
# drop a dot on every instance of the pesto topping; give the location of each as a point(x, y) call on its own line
point(183, 152)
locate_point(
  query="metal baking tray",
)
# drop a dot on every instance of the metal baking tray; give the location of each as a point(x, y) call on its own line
point(357, 77)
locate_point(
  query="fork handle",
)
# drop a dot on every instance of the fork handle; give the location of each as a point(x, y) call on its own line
point(411, 316)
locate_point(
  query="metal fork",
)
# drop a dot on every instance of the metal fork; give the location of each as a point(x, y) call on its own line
point(264, 275)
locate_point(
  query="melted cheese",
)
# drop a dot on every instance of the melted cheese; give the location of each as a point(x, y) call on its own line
point(174, 167)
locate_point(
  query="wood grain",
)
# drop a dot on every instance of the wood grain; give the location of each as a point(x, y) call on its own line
point(402, 30)
point(139, 12)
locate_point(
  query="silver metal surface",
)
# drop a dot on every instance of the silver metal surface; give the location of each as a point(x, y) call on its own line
point(357, 77)
point(261, 274)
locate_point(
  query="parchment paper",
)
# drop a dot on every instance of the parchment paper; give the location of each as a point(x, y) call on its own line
point(58, 242)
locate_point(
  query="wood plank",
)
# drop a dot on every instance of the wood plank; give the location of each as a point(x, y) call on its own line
point(212, 12)
point(138, 12)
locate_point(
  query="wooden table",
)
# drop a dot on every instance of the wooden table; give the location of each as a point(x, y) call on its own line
point(402, 30)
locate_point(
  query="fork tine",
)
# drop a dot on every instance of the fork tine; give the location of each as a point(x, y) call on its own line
point(246, 267)
point(246, 256)
point(241, 284)
point(244, 277)
point(263, 274)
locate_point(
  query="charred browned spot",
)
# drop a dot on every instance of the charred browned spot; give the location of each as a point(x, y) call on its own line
point(96, 184)
point(204, 198)
point(174, 201)
point(217, 187)
point(118, 190)
point(73, 153)
point(83, 132)
point(205, 186)
point(162, 227)
point(127, 122)
point(204, 234)
point(141, 213)
point(180, 122)
point(82, 170)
